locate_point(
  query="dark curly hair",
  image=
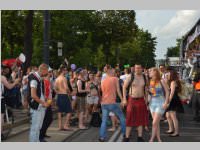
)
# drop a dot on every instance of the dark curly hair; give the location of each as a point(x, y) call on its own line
point(174, 77)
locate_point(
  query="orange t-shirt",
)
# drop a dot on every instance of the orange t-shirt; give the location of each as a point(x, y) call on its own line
point(109, 90)
point(197, 86)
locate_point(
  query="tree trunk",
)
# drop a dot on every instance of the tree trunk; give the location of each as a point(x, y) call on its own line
point(28, 43)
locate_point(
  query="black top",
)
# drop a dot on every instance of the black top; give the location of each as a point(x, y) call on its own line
point(83, 88)
point(175, 104)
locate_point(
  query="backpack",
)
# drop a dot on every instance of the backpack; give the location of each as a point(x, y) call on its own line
point(132, 79)
point(96, 119)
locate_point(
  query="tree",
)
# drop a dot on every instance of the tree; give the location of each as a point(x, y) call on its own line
point(28, 43)
point(174, 51)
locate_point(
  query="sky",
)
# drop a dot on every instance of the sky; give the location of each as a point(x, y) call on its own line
point(166, 25)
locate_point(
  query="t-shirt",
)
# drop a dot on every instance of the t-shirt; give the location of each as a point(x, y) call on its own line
point(123, 77)
point(109, 89)
point(103, 77)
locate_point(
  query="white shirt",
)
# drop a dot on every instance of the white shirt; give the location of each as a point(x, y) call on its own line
point(123, 77)
point(103, 76)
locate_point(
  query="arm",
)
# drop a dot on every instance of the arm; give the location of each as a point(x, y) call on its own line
point(34, 95)
point(65, 85)
point(172, 87)
point(125, 85)
point(56, 86)
point(80, 90)
point(146, 94)
point(118, 90)
point(7, 84)
point(166, 88)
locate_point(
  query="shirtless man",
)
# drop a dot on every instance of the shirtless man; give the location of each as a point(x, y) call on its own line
point(63, 102)
point(136, 114)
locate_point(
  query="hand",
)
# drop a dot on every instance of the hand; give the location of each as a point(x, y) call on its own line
point(45, 104)
point(123, 103)
point(17, 80)
point(165, 106)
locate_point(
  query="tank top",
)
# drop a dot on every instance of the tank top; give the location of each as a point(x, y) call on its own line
point(83, 88)
point(156, 89)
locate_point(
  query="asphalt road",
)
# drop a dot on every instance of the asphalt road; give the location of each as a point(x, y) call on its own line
point(189, 132)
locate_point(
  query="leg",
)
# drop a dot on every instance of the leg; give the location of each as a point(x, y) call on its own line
point(117, 110)
point(170, 123)
point(67, 120)
point(155, 128)
point(73, 104)
point(158, 133)
point(140, 131)
point(37, 117)
point(60, 120)
point(175, 122)
point(105, 113)
point(95, 108)
point(44, 126)
point(113, 118)
point(81, 120)
point(50, 119)
point(2, 121)
point(128, 131)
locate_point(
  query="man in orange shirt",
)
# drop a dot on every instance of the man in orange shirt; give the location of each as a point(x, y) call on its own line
point(110, 89)
point(196, 97)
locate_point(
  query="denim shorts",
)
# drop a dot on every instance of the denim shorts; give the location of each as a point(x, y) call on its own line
point(156, 105)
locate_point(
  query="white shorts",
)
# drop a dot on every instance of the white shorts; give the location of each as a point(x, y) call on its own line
point(73, 97)
point(92, 99)
point(111, 114)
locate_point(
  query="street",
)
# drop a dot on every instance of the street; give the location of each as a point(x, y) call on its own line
point(189, 132)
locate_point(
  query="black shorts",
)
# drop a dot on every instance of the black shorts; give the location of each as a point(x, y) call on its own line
point(3, 106)
point(63, 103)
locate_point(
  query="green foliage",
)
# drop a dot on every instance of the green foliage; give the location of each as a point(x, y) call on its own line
point(89, 37)
point(174, 50)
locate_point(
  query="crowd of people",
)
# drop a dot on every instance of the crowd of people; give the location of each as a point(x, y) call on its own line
point(131, 97)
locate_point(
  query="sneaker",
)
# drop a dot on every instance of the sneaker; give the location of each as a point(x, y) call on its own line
point(47, 136)
point(101, 140)
point(43, 140)
point(2, 137)
point(140, 139)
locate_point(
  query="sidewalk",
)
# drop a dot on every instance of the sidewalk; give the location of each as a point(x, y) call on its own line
point(56, 135)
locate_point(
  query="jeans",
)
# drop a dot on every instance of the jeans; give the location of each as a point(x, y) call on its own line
point(37, 117)
point(115, 108)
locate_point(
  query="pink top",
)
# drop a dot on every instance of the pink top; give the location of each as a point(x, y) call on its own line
point(109, 90)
